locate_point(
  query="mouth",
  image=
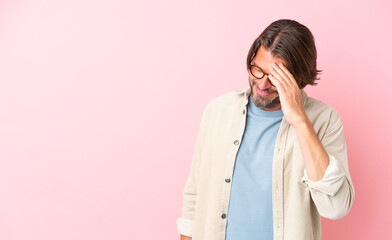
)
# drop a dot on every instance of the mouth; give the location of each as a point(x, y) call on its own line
point(263, 93)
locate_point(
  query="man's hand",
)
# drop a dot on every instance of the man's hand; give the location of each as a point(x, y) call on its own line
point(185, 238)
point(316, 159)
point(289, 94)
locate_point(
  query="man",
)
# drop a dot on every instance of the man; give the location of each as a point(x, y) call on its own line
point(268, 160)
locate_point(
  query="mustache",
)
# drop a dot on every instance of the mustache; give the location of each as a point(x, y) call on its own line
point(268, 90)
point(265, 90)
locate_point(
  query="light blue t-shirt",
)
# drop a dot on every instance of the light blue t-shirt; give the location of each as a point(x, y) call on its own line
point(250, 207)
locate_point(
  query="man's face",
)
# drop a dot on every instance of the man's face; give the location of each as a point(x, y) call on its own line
point(265, 96)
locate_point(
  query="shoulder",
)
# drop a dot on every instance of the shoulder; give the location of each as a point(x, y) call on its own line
point(232, 96)
point(323, 117)
point(316, 108)
point(228, 99)
point(226, 104)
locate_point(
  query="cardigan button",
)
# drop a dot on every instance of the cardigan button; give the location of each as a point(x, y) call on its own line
point(243, 111)
point(236, 142)
point(223, 216)
point(227, 180)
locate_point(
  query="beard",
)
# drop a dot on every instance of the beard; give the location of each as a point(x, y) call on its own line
point(263, 102)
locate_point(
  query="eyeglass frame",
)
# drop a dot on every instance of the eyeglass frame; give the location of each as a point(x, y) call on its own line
point(250, 70)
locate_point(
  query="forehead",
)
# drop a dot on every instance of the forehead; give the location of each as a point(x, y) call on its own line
point(264, 59)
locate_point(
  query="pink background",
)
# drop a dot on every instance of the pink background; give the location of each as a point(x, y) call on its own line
point(100, 105)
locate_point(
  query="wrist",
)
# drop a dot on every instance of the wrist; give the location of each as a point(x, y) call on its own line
point(302, 123)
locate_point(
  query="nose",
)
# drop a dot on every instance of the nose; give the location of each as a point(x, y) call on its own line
point(264, 82)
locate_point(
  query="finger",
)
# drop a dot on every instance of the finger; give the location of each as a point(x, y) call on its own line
point(288, 73)
point(280, 87)
point(279, 73)
point(279, 77)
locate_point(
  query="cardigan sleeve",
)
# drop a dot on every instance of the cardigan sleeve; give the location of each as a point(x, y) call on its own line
point(330, 183)
point(185, 222)
point(334, 194)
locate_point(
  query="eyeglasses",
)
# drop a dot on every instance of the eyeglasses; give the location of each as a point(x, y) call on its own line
point(258, 73)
